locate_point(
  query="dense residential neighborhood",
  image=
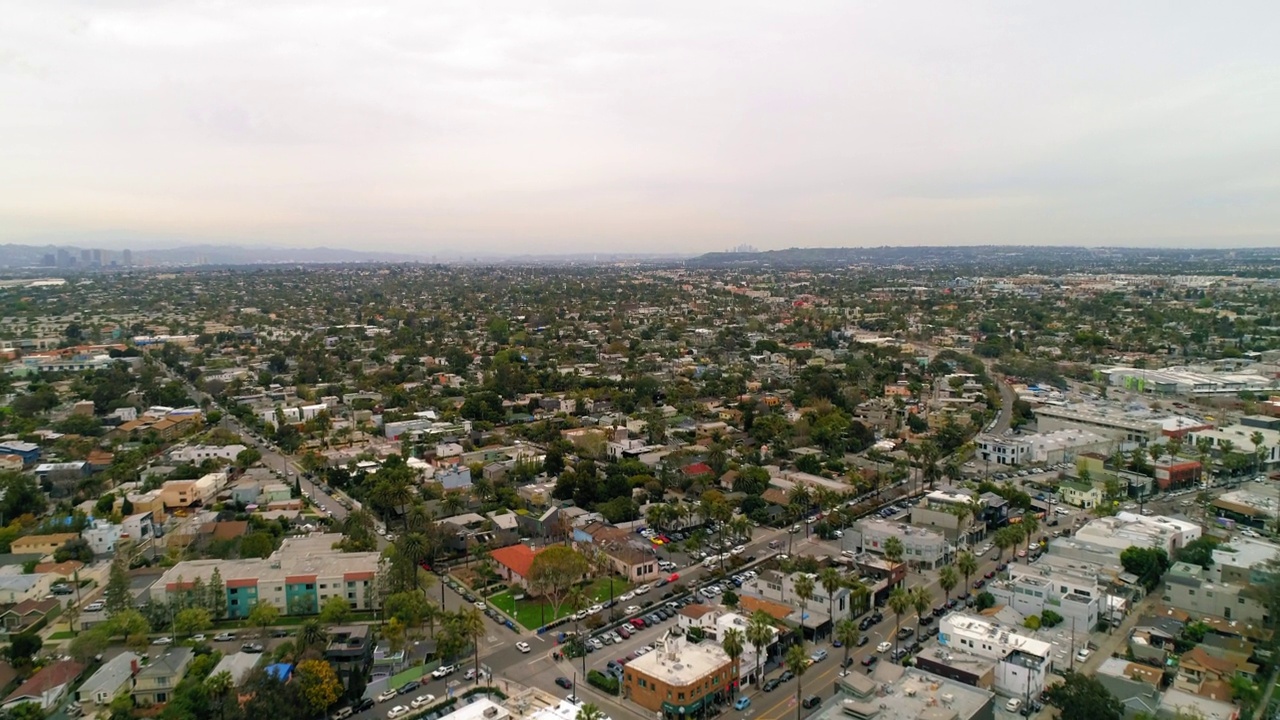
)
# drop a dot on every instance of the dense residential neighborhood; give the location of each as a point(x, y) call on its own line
point(419, 490)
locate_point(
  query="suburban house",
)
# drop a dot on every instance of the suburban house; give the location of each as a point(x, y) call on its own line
point(154, 684)
point(47, 686)
point(28, 614)
point(104, 684)
point(1080, 494)
point(40, 544)
point(1198, 672)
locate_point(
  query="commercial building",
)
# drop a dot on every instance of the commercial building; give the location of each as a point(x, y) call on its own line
point(1119, 424)
point(1103, 539)
point(678, 678)
point(40, 544)
point(297, 578)
point(1186, 380)
point(940, 510)
point(1240, 439)
point(1023, 663)
point(925, 549)
point(1176, 473)
point(200, 453)
point(189, 493)
point(1253, 504)
point(1078, 601)
point(893, 692)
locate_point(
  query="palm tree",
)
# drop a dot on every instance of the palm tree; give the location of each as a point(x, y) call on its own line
point(733, 644)
point(920, 602)
point(760, 632)
point(831, 581)
point(589, 712)
point(947, 580)
point(893, 550)
point(1005, 538)
point(797, 662)
point(220, 686)
point(899, 602)
point(311, 634)
point(804, 592)
point(577, 600)
point(1030, 524)
point(1204, 446)
point(847, 633)
point(470, 625)
point(967, 564)
point(858, 596)
point(1257, 439)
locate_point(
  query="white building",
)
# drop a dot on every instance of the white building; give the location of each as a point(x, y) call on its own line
point(920, 547)
point(1023, 663)
point(200, 453)
point(1030, 592)
point(1128, 529)
point(1060, 445)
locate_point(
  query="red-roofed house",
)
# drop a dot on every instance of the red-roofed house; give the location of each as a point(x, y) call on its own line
point(47, 686)
point(514, 562)
point(696, 469)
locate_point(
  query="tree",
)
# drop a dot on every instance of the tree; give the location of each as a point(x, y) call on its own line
point(191, 621)
point(553, 571)
point(318, 685)
point(216, 595)
point(589, 712)
point(797, 662)
point(256, 545)
point(22, 648)
point(263, 615)
point(893, 550)
point(730, 599)
point(1149, 564)
point(831, 581)
point(760, 632)
point(1005, 538)
point(74, 549)
point(967, 564)
point(247, 457)
point(129, 623)
point(335, 611)
point(947, 580)
point(117, 594)
point(311, 634)
point(804, 591)
point(733, 644)
point(1030, 526)
point(1082, 697)
point(847, 633)
point(25, 711)
point(899, 602)
point(984, 601)
point(920, 602)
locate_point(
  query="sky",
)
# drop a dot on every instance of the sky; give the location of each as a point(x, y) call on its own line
point(528, 127)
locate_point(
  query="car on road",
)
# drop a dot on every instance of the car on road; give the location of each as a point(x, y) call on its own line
point(812, 701)
point(742, 703)
point(224, 637)
point(905, 633)
point(869, 661)
point(772, 684)
point(979, 583)
point(524, 646)
point(926, 620)
point(641, 590)
point(398, 711)
point(863, 640)
point(481, 606)
point(564, 682)
point(363, 704)
point(162, 641)
point(386, 695)
point(408, 687)
point(818, 655)
point(443, 671)
point(251, 647)
point(198, 637)
point(788, 675)
point(422, 701)
point(884, 646)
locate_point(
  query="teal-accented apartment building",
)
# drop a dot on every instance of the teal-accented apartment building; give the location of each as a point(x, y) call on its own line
point(297, 579)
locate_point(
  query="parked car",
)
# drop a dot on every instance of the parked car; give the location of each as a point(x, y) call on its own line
point(811, 701)
point(386, 695)
point(524, 646)
point(397, 711)
point(422, 701)
point(742, 703)
point(564, 682)
point(443, 671)
point(772, 684)
point(818, 655)
point(408, 687)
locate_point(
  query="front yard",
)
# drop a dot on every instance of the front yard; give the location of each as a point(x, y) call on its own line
point(533, 614)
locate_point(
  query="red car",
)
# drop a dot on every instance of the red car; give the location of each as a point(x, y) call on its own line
point(674, 577)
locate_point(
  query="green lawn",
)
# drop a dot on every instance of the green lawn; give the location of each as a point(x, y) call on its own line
point(62, 635)
point(533, 614)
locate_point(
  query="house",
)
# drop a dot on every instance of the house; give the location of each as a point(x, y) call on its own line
point(1079, 494)
point(63, 477)
point(188, 493)
point(350, 651)
point(40, 544)
point(1198, 672)
point(28, 614)
point(154, 684)
point(29, 452)
point(514, 562)
point(104, 684)
point(47, 686)
point(17, 588)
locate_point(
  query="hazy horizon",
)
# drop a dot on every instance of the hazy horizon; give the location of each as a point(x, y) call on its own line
point(506, 128)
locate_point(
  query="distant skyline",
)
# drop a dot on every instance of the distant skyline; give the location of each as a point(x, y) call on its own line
point(519, 128)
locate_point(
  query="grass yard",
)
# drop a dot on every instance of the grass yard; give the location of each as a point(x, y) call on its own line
point(532, 614)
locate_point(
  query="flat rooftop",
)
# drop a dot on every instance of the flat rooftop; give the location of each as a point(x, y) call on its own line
point(916, 695)
point(679, 662)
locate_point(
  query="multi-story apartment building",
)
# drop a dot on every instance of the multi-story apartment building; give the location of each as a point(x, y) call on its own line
point(1023, 663)
point(297, 578)
point(1077, 601)
point(1190, 588)
point(925, 549)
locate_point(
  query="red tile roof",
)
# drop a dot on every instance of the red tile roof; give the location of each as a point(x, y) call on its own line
point(516, 558)
point(699, 468)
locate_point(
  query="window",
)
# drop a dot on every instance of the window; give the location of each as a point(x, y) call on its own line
point(324, 586)
point(311, 586)
point(681, 697)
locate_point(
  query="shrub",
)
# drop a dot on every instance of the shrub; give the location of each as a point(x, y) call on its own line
point(1032, 622)
point(1049, 619)
point(607, 683)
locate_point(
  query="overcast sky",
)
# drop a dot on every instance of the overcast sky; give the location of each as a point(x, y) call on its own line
point(655, 126)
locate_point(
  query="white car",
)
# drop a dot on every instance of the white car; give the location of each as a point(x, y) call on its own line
point(626, 596)
point(442, 671)
point(386, 695)
point(198, 637)
point(883, 647)
point(422, 701)
point(162, 641)
point(481, 606)
point(739, 550)
point(524, 646)
point(397, 711)
point(631, 610)
point(642, 589)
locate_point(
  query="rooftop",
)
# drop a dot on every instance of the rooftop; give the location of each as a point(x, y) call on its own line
point(677, 662)
point(914, 695)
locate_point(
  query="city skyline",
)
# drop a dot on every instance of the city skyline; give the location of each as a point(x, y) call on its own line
point(645, 129)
